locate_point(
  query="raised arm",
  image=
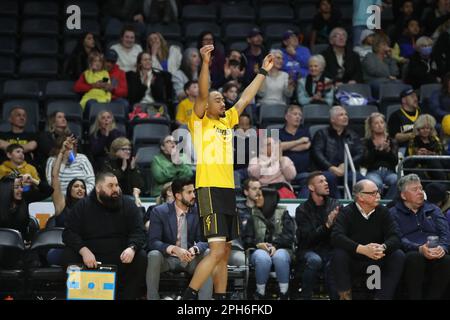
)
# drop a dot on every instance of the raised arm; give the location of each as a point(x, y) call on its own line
point(250, 92)
point(203, 82)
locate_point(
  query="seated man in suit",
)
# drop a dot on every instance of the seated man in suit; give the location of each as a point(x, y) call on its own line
point(175, 239)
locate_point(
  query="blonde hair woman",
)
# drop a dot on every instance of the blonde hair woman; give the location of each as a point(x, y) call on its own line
point(380, 155)
point(101, 134)
point(164, 57)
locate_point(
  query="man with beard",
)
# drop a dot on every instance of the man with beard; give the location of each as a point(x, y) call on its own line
point(175, 239)
point(211, 129)
point(106, 227)
point(315, 218)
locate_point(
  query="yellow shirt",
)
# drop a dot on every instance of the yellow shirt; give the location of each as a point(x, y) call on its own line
point(213, 142)
point(184, 111)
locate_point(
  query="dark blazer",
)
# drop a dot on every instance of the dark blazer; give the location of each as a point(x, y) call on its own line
point(163, 228)
point(352, 66)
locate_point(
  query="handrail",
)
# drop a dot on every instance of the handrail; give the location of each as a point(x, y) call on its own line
point(348, 160)
point(416, 157)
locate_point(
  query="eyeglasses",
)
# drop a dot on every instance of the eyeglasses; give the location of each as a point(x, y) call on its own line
point(125, 149)
point(371, 193)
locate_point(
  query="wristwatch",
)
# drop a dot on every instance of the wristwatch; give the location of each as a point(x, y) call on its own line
point(133, 247)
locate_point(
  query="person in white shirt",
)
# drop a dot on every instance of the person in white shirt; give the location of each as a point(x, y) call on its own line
point(127, 49)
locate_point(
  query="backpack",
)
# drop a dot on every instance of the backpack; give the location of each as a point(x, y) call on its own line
point(346, 98)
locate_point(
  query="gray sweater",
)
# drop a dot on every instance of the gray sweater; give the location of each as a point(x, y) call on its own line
point(374, 68)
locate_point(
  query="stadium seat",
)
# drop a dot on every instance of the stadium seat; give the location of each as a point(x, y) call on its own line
point(87, 25)
point(9, 8)
point(390, 94)
point(314, 128)
point(117, 109)
point(271, 113)
point(195, 12)
point(319, 48)
point(169, 31)
point(391, 109)
point(69, 46)
point(45, 9)
point(9, 45)
point(274, 31)
point(276, 13)
point(144, 158)
point(71, 109)
point(88, 9)
point(39, 46)
point(60, 89)
point(7, 66)
point(306, 12)
point(30, 106)
point(149, 133)
point(316, 114)
point(38, 67)
point(237, 45)
point(359, 114)
point(8, 26)
point(237, 12)
point(76, 128)
point(426, 90)
point(48, 279)
point(112, 30)
point(194, 29)
point(275, 126)
point(21, 89)
point(12, 281)
point(237, 31)
point(40, 27)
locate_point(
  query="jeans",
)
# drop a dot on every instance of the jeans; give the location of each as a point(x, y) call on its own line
point(262, 262)
point(384, 176)
point(314, 263)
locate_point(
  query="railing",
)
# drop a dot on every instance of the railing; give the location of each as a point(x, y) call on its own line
point(401, 167)
point(348, 160)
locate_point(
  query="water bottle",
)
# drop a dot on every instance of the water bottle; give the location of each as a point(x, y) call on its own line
point(432, 241)
point(71, 157)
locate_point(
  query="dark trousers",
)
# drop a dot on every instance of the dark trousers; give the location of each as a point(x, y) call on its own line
point(420, 271)
point(130, 276)
point(346, 266)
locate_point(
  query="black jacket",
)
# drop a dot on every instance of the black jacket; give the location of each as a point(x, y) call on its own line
point(352, 66)
point(312, 234)
point(128, 179)
point(162, 89)
point(352, 229)
point(421, 71)
point(328, 148)
point(104, 231)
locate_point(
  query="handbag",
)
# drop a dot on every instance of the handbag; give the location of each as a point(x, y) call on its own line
point(346, 98)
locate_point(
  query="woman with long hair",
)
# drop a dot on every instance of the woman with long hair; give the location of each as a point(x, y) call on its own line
point(380, 155)
point(164, 57)
point(16, 193)
point(78, 59)
point(189, 70)
point(101, 134)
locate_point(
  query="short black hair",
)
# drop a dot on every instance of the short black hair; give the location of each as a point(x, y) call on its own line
point(127, 28)
point(101, 176)
point(13, 147)
point(230, 84)
point(179, 184)
point(312, 175)
point(188, 84)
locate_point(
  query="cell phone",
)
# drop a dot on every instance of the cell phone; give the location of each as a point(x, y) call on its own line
point(105, 79)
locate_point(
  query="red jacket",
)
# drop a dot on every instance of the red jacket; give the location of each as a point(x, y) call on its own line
point(118, 78)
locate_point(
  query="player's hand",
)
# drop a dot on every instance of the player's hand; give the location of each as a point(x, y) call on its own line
point(205, 52)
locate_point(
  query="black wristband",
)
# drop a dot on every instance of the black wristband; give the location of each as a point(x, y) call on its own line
point(263, 72)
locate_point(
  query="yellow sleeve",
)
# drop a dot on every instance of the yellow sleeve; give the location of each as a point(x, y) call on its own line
point(181, 113)
point(232, 117)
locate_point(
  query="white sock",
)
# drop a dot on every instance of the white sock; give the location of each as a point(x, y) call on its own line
point(261, 289)
point(284, 287)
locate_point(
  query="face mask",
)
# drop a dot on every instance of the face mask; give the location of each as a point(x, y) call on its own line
point(426, 51)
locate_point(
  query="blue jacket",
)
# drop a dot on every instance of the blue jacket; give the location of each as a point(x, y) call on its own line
point(163, 228)
point(414, 229)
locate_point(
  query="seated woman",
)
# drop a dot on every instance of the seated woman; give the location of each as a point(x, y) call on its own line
point(76, 190)
point(189, 70)
point(74, 165)
point(148, 87)
point(380, 155)
point(101, 134)
point(315, 88)
point(92, 83)
point(426, 143)
point(278, 87)
point(217, 58)
point(439, 101)
point(16, 193)
point(123, 165)
point(78, 59)
point(164, 57)
point(379, 67)
point(272, 169)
